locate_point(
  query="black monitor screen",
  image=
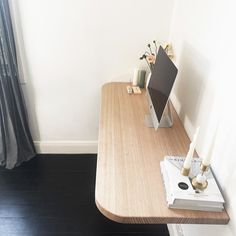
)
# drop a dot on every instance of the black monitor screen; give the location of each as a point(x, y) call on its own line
point(161, 81)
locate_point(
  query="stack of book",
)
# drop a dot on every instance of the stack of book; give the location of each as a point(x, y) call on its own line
point(181, 194)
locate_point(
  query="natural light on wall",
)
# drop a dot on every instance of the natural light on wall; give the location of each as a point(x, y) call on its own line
point(204, 44)
point(20, 48)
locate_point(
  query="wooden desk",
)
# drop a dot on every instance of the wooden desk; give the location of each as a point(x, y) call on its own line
point(129, 186)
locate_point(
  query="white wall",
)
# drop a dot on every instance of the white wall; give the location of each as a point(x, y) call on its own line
point(203, 36)
point(72, 48)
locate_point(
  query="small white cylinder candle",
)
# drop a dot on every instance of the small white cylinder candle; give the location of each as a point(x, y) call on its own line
point(135, 77)
point(189, 157)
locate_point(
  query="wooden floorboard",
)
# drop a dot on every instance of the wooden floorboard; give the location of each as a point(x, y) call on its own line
point(54, 195)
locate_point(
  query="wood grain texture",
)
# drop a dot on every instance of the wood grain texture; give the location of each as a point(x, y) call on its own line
point(129, 186)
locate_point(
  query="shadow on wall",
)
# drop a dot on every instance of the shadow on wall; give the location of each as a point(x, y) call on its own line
point(24, 71)
point(194, 70)
point(224, 163)
point(29, 97)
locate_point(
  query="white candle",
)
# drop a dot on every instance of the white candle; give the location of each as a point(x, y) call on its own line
point(206, 160)
point(135, 77)
point(189, 157)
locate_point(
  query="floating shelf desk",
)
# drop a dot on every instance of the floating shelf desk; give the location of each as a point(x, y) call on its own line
point(129, 186)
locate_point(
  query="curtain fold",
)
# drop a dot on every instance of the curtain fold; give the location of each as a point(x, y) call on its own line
point(16, 144)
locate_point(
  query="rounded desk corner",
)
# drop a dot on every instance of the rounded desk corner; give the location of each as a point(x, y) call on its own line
point(104, 84)
point(108, 84)
point(110, 215)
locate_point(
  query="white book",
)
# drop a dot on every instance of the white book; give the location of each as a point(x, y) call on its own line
point(180, 192)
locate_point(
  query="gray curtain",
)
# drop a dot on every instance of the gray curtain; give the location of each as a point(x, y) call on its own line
point(16, 145)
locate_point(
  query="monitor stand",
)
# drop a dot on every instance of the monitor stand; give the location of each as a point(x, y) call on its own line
point(166, 120)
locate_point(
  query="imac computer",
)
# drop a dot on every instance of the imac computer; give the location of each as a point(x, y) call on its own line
point(158, 91)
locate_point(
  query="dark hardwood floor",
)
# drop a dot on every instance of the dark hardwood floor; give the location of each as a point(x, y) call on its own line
point(54, 195)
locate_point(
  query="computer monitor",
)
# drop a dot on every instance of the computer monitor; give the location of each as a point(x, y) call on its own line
point(159, 88)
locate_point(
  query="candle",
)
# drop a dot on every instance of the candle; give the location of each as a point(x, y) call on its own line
point(188, 159)
point(135, 77)
point(206, 160)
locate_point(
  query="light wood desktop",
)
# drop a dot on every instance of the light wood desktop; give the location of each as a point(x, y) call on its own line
point(129, 187)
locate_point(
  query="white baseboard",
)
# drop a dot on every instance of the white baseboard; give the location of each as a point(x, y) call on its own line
point(66, 147)
point(175, 230)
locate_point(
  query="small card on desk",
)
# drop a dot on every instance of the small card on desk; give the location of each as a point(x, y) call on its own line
point(136, 90)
